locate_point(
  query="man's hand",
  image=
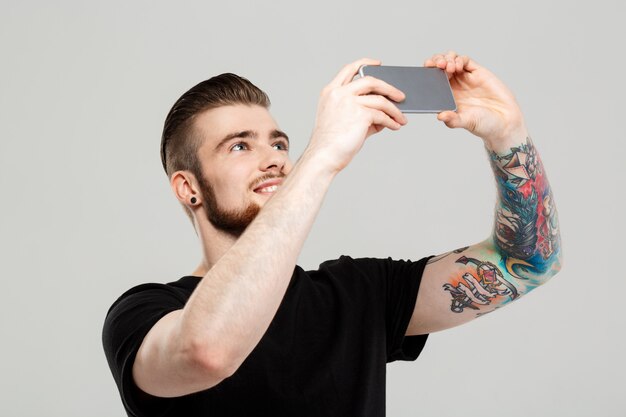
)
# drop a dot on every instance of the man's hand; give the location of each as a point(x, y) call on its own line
point(485, 106)
point(350, 111)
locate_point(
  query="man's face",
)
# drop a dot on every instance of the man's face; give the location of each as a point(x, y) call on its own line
point(244, 157)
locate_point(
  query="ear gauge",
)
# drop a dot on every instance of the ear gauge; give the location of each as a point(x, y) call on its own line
point(193, 200)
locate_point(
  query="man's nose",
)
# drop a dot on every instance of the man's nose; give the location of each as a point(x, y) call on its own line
point(273, 159)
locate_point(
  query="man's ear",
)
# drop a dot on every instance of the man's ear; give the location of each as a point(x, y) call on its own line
point(185, 187)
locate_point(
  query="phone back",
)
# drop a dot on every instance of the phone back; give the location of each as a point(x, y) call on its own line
point(427, 90)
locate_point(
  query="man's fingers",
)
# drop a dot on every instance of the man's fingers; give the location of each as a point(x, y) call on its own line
point(451, 119)
point(442, 62)
point(460, 65)
point(452, 63)
point(369, 85)
point(454, 120)
point(381, 103)
point(470, 65)
point(348, 72)
point(380, 118)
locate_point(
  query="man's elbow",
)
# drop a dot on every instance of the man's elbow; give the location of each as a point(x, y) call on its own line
point(553, 267)
point(206, 361)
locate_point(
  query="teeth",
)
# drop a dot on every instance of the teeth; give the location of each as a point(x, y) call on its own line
point(269, 189)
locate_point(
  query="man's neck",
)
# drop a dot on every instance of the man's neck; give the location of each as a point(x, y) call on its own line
point(215, 243)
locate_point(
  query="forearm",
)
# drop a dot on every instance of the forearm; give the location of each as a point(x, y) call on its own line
point(233, 305)
point(521, 254)
point(526, 229)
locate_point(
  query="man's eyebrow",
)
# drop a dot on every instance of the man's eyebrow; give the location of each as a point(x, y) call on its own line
point(250, 134)
point(242, 134)
point(279, 134)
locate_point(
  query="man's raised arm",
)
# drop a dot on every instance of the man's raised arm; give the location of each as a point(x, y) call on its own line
point(192, 349)
point(524, 249)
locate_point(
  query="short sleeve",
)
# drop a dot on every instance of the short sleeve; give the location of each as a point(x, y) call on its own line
point(401, 280)
point(127, 322)
point(403, 285)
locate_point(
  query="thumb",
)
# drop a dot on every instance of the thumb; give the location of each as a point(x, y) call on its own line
point(451, 119)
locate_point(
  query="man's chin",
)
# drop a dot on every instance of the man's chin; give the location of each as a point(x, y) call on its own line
point(234, 222)
point(263, 198)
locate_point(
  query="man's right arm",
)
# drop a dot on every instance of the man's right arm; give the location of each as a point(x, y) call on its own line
point(195, 348)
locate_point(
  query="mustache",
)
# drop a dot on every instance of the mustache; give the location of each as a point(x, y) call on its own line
point(264, 178)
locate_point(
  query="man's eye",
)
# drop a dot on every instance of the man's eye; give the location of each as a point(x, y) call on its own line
point(236, 146)
point(282, 146)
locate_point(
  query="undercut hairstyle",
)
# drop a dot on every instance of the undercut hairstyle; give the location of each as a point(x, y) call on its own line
point(180, 141)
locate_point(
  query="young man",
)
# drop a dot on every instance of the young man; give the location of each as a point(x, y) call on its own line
point(249, 333)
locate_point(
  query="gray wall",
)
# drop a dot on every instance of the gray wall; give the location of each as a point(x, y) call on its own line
point(87, 213)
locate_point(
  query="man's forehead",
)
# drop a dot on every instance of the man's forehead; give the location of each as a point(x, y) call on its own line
point(215, 124)
point(219, 126)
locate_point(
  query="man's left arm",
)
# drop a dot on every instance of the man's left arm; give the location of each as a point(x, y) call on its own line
point(524, 250)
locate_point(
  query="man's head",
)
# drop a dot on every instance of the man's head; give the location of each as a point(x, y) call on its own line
point(219, 143)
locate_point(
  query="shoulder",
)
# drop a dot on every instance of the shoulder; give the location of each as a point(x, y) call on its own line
point(349, 262)
point(372, 266)
point(142, 305)
point(368, 271)
point(179, 290)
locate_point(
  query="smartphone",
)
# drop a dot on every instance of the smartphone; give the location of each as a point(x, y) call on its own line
point(427, 90)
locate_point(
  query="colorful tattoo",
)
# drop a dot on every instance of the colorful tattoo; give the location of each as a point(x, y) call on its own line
point(482, 285)
point(526, 226)
point(526, 237)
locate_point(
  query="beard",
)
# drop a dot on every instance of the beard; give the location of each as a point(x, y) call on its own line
point(233, 222)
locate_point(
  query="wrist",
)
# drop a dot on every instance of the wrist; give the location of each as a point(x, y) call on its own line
point(319, 162)
point(312, 164)
point(508, 139)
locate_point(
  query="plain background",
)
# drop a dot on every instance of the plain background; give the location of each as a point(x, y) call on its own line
point(87, 211)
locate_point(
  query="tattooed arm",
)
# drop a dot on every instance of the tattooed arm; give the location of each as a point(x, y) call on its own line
point(524, 249)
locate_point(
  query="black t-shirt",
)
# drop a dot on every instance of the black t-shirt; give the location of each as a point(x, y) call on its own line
point(324, 353)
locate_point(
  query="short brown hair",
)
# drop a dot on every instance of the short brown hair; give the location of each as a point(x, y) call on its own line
point(179, 142)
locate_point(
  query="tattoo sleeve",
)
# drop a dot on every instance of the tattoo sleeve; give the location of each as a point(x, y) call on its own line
point(526, 240)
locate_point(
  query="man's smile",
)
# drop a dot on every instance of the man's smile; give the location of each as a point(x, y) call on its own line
point(269, 186)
